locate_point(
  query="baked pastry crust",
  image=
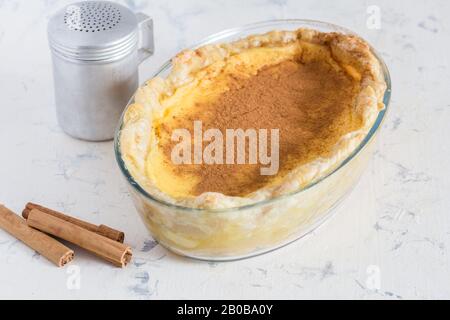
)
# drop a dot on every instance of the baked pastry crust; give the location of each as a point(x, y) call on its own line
point(348, 52)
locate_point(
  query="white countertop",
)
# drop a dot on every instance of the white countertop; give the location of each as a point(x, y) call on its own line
point(389, 239)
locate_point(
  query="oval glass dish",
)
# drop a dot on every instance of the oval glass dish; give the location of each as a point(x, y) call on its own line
point(241, 232)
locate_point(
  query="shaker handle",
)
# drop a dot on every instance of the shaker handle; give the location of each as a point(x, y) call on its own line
point(146, 43)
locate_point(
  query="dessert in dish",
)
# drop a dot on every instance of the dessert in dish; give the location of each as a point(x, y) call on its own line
point(322, 91)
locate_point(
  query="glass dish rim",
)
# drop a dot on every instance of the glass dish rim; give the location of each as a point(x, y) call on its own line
point(233, 32)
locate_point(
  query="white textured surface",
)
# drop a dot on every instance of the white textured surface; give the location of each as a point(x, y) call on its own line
point(396, 221)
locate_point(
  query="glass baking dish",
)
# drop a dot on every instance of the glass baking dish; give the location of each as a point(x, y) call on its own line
point(241, 232)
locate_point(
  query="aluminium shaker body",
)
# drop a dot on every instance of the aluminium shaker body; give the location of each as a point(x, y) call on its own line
point(96, 49)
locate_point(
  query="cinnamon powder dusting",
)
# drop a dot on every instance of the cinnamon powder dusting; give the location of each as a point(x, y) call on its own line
point(311, 105)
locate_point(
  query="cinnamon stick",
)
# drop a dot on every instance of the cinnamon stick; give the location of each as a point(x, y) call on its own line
point(48, 247)
point(101, 229)
point(110, 250)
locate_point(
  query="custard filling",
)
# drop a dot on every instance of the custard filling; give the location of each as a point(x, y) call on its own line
point(298, 89)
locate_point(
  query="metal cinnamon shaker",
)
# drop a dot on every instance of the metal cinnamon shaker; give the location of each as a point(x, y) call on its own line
point(96, 48)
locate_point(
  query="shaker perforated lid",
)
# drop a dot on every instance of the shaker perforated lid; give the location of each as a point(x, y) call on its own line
point(93, 30)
